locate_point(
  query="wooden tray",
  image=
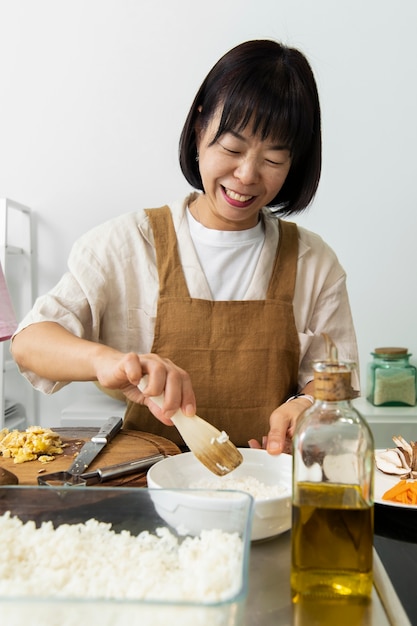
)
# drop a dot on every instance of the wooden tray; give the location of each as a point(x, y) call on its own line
point(128, 445)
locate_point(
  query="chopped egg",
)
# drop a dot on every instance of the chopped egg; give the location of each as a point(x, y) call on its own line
point(31, 444)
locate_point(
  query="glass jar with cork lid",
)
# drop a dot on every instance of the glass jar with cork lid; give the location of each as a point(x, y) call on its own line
point(391, 378)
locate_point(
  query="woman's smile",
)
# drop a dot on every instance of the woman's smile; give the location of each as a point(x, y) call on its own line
point(235, 198)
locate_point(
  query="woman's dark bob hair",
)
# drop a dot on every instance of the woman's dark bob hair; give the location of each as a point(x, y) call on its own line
point(272, 87)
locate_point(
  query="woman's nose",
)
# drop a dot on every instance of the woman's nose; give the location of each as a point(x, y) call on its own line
point(247, 171)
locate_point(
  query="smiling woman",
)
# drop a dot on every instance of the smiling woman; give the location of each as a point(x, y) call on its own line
point(217, 298)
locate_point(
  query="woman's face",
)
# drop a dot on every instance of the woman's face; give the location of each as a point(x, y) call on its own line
point(241, 173)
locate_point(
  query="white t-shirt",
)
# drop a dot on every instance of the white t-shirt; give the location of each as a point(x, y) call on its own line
point(228, 258)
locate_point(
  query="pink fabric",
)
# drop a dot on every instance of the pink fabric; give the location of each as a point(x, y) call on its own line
point(8, 321)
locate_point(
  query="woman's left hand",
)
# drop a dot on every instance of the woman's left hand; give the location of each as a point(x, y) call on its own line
point(282, 426)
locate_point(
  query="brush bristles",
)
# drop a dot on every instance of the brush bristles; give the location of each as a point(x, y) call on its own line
point(220, 458)
point(208, 444)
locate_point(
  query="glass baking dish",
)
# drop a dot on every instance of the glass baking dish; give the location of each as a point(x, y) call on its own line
point(125, 509)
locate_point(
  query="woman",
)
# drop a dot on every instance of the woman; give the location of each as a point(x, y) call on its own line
point(213, 297)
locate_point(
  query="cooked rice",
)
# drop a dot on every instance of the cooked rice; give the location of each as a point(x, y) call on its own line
point(90, 560)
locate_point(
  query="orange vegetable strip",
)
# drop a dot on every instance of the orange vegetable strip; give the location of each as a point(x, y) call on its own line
point(396, 490)
point(413, 493)
point(404, 492)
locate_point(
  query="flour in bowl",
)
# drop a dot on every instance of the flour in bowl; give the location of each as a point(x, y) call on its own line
point(249, 484)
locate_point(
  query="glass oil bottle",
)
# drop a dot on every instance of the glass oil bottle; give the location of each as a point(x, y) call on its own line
point(333, 468)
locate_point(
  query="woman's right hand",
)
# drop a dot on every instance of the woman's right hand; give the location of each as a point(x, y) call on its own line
point(125, 371)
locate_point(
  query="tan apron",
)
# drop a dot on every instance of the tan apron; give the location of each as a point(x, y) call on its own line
point(242, 356)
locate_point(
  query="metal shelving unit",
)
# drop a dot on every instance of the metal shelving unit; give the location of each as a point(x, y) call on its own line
point(18, 403)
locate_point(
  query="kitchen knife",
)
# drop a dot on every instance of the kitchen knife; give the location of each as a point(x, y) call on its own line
point(87, 454)
point(92, 448)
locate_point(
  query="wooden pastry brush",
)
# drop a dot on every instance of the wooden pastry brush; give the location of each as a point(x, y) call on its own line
point(210, 446)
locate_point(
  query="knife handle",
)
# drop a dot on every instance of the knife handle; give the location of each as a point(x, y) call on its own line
point(113, 471)
point(109, 429)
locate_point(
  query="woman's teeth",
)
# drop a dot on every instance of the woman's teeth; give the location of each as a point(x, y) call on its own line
point(236, 196)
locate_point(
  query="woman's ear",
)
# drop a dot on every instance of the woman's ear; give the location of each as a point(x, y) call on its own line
point(198, 127)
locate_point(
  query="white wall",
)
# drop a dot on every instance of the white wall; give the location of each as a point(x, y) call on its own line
point(93, 95)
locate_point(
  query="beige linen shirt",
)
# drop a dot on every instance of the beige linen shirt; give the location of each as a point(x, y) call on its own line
point(110, 292)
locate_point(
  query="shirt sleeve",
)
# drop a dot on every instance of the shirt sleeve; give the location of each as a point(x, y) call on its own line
point(108, 295)
point(69, 305)
point(321, 305)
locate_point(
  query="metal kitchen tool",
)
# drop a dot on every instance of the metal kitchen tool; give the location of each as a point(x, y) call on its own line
point(87, 454)
point(210, 446)
point(102, 474)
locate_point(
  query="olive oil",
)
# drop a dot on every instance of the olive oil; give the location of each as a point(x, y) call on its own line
point(332, 539)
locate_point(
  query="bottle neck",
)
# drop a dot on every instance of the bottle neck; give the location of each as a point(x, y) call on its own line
point(333, 386)
point(346, 401)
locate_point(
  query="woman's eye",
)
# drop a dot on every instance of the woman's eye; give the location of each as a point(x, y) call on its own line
point(227, 149)
point(277, 161)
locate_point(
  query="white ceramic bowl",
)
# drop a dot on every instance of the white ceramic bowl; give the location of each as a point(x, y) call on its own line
point(271, 514)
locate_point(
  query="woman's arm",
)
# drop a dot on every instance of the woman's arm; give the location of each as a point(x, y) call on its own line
point(52, 352)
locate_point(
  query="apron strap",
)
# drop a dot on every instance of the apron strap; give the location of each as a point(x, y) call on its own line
point(171, 275)
point(284, 273)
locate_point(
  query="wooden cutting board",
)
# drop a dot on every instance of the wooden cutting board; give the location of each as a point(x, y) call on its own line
point(128, 445)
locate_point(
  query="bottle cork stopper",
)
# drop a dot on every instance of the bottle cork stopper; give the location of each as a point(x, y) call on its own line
point(333, 385)
point(332, 379)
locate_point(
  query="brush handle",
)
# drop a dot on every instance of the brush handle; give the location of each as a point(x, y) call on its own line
point(159, 400)
point(192, 429)
point(186, 424)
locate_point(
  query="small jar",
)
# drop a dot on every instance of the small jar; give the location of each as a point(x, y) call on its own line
point(391, 379)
